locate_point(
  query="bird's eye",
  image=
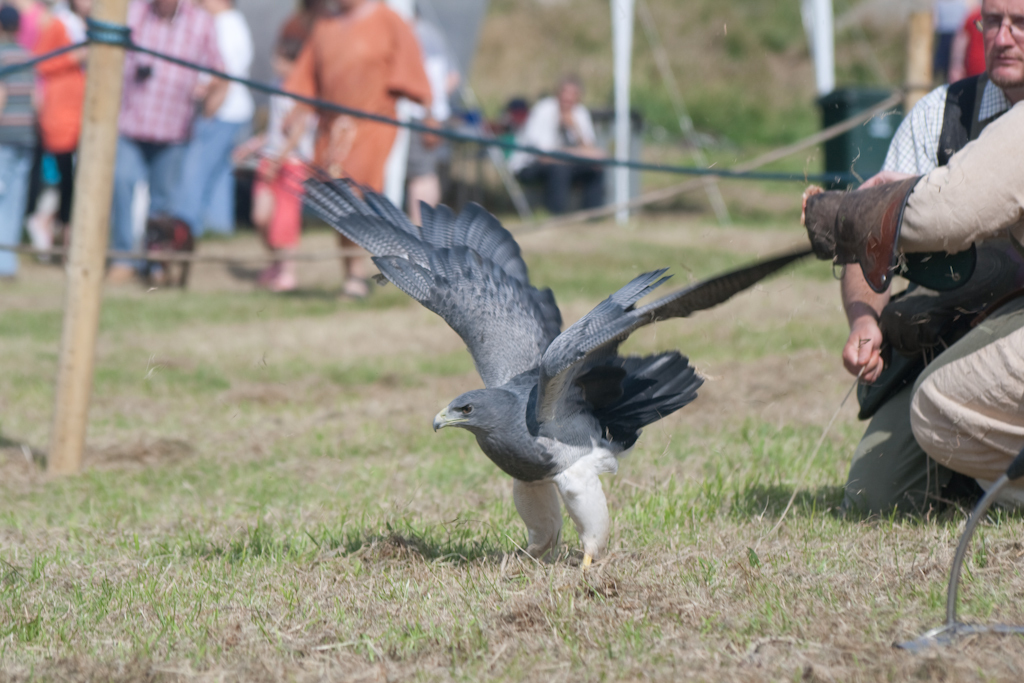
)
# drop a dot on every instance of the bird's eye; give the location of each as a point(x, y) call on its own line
point(466, 410)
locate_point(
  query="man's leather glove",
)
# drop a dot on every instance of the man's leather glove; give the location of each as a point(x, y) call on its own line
point(862, 227)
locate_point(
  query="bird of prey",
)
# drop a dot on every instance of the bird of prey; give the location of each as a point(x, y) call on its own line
point(558, 408)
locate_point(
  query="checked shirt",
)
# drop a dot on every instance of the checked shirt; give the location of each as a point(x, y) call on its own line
point(915, 147)
point(159, 108)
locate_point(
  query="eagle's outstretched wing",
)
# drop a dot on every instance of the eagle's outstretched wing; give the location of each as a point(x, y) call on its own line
point(466, 268)
point(596, 336)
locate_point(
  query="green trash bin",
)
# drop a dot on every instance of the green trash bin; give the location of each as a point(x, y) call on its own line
point(860, 151)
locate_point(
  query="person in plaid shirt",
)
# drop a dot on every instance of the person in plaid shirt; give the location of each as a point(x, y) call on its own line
point(157, 108)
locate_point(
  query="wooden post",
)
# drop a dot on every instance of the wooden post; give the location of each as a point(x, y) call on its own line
point(921, 35)
point(90, 218)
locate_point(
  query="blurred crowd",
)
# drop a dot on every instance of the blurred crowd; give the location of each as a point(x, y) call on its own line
point(183, 134)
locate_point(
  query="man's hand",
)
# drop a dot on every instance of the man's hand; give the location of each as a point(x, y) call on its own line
point(883, 177)
point(863, 350)
point(863, 306)
point(808, 193)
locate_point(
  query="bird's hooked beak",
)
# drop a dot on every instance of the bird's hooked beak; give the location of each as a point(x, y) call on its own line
point(445, 419)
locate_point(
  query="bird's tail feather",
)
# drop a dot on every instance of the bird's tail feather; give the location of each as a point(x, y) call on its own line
point(654, 387)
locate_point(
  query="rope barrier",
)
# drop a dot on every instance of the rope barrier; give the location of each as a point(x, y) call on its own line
point(494, 142)
point(31, 63)
point(107, 33)
point(192, 257)
point(654, 196)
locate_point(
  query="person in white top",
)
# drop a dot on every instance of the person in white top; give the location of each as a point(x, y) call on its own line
point(560, 124)
point(206, 192)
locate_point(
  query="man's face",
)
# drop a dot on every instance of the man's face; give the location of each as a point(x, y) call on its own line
point(568, 96)
point(1004, 51)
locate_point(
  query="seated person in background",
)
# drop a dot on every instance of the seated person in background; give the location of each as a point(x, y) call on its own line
point(560, 124)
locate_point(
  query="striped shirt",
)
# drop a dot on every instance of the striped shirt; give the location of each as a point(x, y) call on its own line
point(915, 147)
point(158, 105)
point(17, 121)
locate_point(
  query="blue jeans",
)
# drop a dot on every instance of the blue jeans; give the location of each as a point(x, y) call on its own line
point(207, 162)
point(159, 164)
point(15, 164)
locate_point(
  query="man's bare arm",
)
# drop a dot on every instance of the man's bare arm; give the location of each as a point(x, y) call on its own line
point(863, 306)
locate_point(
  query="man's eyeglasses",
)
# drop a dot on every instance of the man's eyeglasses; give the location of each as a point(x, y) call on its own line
point(992, 23)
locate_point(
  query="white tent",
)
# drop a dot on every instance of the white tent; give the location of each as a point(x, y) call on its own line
point(818, 24)
point(623, 12)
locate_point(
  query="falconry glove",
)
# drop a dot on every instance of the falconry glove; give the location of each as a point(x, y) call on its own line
point(860, 227)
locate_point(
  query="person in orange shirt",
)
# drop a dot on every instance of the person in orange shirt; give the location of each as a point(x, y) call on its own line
point(62, 95)
point(362, 56)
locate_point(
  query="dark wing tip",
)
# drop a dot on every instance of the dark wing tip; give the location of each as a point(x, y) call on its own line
point(719, 289)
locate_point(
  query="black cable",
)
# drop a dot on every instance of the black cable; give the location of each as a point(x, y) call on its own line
point(31, 63)
point(107, 33)
point(839, 178)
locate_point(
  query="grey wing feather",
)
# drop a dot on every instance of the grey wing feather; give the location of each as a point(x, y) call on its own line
point(598, 334)
point(391, 213)
point(480, 231)
point(374, 224)
point(716, 290)
point(491, 311)
point(477, 229)
point(595, 335)
point(368, 230)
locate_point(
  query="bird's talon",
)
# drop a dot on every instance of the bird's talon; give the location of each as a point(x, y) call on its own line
point(587, 561)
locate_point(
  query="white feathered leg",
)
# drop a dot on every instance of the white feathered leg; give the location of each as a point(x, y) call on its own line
point(584, 499)
point(537, 503)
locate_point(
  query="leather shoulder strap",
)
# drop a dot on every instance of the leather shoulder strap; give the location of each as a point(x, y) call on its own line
point(958, 117)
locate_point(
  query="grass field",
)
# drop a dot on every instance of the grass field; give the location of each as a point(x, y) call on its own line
point(264, 498)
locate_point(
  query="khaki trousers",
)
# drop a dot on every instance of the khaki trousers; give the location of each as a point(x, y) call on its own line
point(967, 410)
point(889, 470)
